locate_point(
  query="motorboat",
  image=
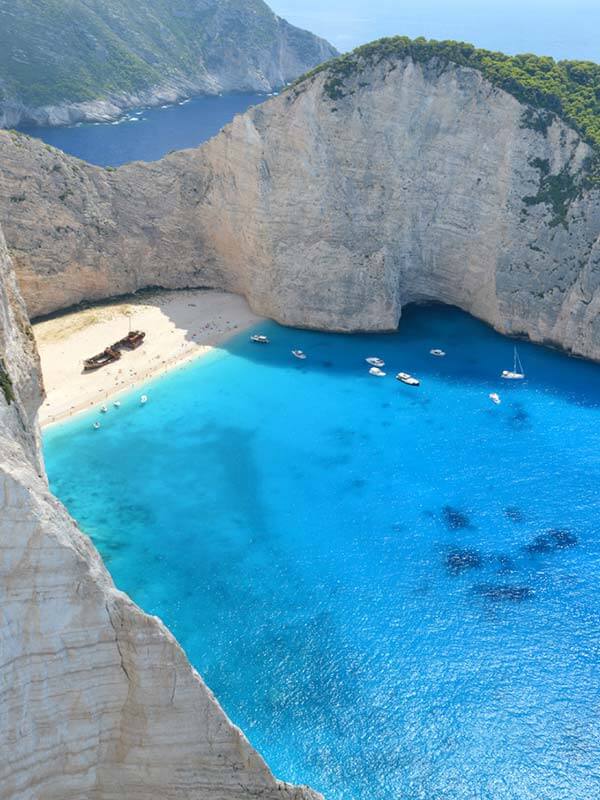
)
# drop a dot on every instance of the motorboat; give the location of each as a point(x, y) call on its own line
point(409, 380)
point(495, 398)
point(375, 362)
point(143, 399)
point(259, 339)
point(96, 426)
point(517, 373)
point(437, 352)
point(377, 372)
point(299, 354)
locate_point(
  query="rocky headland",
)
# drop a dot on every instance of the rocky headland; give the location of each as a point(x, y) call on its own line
point(91, 62)
point(97, 699)
point(359, 190)
point(384, 179)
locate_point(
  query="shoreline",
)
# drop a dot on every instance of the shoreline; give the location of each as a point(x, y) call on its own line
point(180, 327)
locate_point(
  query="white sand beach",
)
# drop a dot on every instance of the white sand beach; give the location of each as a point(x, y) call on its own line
point(179, 326)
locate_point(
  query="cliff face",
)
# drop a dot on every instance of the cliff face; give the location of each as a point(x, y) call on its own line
point(91, 60)
point(423, 182)
point(97, 700)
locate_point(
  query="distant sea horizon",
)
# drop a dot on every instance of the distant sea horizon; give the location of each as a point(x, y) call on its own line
point(534, 26)
point(552, 27)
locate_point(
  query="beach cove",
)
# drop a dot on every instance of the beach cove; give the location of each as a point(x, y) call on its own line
point(392, 590)
point(179, 326)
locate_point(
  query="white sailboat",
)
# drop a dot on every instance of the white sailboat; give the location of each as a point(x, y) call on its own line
point(517, 373)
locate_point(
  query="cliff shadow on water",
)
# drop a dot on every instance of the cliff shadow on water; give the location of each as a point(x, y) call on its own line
point(475, 353)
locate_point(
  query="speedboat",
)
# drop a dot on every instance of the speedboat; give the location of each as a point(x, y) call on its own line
point(516, 373)
point(104, 409)
point(143, 400)
point(409, 380)
point(259, 339)
point(299, 354)
point(377, 372)
point(96, 426)
point(375, 362)
point(495, 398)
point(117, 404)
point(438, 353)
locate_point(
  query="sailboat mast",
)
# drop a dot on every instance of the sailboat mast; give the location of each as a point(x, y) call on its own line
point(518, 365)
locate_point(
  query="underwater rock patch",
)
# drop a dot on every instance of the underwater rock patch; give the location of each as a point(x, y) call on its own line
point(455, 520)
point(514, 514)
point(503, 592)
point(458, 561)
point(520, 418)
point(551, 541)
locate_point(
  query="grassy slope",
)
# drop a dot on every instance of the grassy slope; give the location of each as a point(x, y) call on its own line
point(55, 50)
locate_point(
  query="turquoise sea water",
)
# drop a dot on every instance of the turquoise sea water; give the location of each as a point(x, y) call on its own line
point(146, 134)
point(395, 592)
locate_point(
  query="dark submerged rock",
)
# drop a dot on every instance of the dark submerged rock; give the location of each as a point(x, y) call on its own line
point(458, 561)
point(551, 541)
point(519, 419)
point(455, 520)
point(502, 592)
point(514, 514)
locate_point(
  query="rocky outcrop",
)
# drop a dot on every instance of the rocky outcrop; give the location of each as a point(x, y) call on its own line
point(419, 182)
point(97, 700)
point(90, 62)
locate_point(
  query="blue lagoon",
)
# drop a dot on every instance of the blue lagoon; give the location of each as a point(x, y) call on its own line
point(147, 134)
point(393, 591)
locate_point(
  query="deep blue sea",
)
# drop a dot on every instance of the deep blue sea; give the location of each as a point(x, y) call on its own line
point(558, 28)
point(395, 592)
point(546, 27)
point(147, 134)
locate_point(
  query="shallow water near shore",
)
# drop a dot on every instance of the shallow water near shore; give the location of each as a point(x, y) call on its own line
point(394, 592)
point(147, 134)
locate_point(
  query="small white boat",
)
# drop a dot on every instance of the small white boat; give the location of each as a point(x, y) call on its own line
point(143, 400)
point(438, 353)
point(495, 398)
point(409, 380)
point(117, 404)
point(299, 354)
point(375, 362)
point(377, 372)
point(259, 339)
point(96, 426)
point(517, 373)
point(104, 409)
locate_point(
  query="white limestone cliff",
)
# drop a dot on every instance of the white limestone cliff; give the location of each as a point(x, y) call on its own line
point(97, 699)
point(416, 185)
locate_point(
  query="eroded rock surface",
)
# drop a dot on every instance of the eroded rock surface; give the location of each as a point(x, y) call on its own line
point(421, 183)
point(97, 699)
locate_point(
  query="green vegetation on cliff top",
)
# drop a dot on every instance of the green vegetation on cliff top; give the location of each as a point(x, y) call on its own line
point(6, 385)
point(53, 51)
point(569, 89)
